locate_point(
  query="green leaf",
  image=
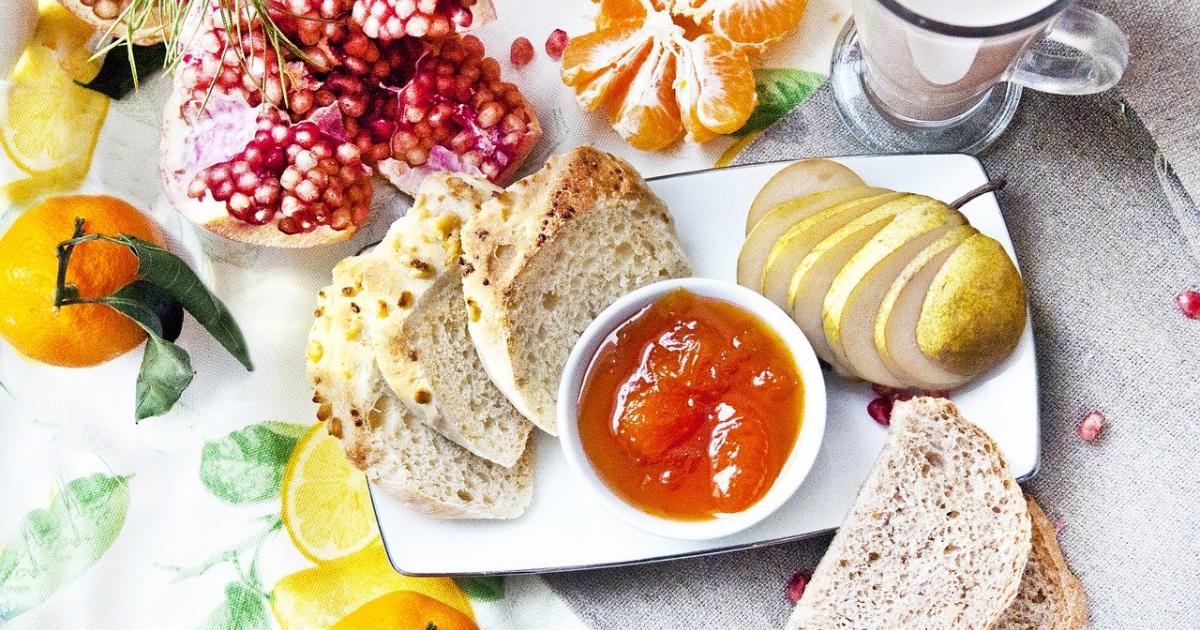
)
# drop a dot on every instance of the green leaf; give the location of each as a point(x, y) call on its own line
point(243, 609)
point(116, 79)
point(485, 589)
point(170, 273)
point(247, 465)
point(779, 90)
point(53, 546)
point(166, 371)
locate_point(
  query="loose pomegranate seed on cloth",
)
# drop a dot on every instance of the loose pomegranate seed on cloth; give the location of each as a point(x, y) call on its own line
point(880, 410)
point(521, 53)
point(1188, 302)
point(556, 43)
point(796, 585)
point(1090, 426)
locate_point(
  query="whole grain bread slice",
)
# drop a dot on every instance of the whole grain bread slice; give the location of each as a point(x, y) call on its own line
point(543, 259)
point(417, 322)
point(403, 456)
point(1050, 597)
point(938, 536)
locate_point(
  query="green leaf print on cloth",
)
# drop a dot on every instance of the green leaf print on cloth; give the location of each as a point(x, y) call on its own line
point(484, 589)
point(53, 546)
point(780, 90)
point(247, 465)
point(243, 609)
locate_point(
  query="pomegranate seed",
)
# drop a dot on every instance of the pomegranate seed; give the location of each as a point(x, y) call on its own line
point(880, 410)
point(1188, 302)
point(1090, 427)
point(521, 52)
point(556, 43)
point(796, 585)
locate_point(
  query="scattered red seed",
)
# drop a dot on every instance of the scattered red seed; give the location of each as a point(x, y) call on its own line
point(556, 43)
point(796, 586)
point(1188, 301)
point(881, 410)
point(1060, 524)
point(1089, 428)
point(521, 52)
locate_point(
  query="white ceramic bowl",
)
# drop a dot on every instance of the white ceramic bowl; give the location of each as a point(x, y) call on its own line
point(795, 469)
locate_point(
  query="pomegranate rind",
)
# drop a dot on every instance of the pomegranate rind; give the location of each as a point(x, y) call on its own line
point(151, 33)
point(177, 171)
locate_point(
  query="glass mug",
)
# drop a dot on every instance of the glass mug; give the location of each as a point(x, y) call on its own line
point(946, 75)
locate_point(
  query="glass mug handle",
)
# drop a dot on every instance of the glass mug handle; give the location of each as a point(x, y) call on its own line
point(1104, 52)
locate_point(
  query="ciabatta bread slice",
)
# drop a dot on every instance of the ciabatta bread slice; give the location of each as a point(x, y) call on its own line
point(403, 456)
point(543, 259)
point(417, 321)
point(1051, 597)
point(938, 536)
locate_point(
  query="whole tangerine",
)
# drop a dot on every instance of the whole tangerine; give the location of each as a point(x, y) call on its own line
point(76, 335)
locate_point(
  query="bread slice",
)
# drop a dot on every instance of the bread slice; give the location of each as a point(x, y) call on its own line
point(417, 322)
point(542, 260)
point(1051, 597)
point(937, 537)
point(403, 456)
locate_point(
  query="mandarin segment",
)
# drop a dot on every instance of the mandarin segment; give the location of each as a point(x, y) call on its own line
point(647, 116)
point(727, 96)
point(665, 69)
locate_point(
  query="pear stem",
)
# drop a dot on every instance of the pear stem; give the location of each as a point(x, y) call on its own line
point(991, 186)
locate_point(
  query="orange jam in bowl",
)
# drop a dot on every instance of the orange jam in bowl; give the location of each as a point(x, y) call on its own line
point(690, 408)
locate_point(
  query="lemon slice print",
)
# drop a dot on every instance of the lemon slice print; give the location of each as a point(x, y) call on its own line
point(47, 122)
point(326, 508)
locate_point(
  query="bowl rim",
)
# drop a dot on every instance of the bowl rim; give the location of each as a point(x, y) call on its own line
point(795, 469)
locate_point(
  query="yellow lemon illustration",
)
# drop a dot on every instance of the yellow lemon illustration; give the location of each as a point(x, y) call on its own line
point(326, 508)
point(320, 596)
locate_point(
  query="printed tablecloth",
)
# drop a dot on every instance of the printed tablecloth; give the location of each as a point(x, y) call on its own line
point(174, 522)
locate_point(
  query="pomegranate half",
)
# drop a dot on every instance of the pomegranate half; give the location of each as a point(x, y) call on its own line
point(289, 163)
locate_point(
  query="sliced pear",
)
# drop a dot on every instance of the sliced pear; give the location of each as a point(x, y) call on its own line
point(798, 241)
point(810, 283)
point(796, 180)
point(960, 313)
point(853, 301)
point(777, 221)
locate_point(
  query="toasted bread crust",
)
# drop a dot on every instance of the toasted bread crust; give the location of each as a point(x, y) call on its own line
point(845, 560)
point(509, 236)
point(1060, 584)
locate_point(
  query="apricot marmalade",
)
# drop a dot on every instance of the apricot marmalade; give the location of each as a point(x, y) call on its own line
point(690, 408)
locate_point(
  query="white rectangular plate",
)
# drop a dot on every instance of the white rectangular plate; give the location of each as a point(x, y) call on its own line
point(565, 530)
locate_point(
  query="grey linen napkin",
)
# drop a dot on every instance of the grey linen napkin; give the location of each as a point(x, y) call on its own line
point(1104, 247)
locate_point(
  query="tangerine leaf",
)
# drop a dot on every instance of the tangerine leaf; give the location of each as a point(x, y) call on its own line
point(53, 546)
point(779, 90)
point(166, 371)
point(171, 274)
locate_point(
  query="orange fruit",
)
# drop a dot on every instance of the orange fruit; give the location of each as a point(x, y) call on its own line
point(666, 69)
point(405, 610)
point(81, 334)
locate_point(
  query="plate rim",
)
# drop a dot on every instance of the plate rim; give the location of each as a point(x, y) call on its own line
point(1037, 462)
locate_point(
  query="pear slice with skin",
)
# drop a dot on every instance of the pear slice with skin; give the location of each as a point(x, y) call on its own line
point(952, 315)
point(757, 247)
point(796, 180)
point(791, 248)
point(814, 276)
point(853, 301)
